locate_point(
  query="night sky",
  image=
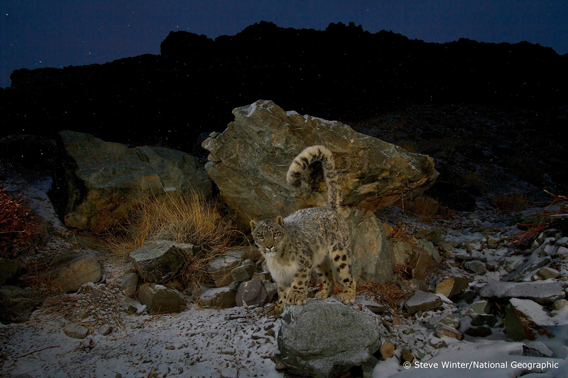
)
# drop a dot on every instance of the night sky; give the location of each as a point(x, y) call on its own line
point(52, 33)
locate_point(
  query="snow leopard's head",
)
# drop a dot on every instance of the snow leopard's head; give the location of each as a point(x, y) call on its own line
point(268, 235)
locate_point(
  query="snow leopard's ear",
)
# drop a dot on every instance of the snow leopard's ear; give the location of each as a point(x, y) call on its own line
point(253, 224)
point(279, 220)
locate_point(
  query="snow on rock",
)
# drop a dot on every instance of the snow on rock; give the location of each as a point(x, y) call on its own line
point(540, 292)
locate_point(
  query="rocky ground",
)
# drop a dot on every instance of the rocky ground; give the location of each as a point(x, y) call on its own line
point(468, 300)
point(97, 332)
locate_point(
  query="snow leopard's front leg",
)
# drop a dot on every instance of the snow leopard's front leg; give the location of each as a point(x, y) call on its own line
point(299, 291)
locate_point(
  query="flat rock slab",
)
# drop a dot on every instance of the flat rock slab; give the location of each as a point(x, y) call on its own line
point(325, 337)
point(545, 293)
point(421, 300)
point(221, 297)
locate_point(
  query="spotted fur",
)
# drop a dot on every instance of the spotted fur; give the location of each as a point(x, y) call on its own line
point(315, 238)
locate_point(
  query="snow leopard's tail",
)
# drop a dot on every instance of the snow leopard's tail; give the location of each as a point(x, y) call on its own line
point(307, 157)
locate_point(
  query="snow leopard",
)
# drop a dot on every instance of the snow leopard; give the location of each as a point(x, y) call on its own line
point(313, 238)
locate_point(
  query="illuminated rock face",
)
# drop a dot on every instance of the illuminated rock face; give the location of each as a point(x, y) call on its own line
point(96, 183)
point(250, 159)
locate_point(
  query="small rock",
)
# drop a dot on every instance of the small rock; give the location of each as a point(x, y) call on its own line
point(445, 318)
point(443, 330)
point(128, 284)
point(406, 356)
point(478, 307)
point(386, 350)
point(420, 263)
point(251, 294)
point(480, 320)
point(536, 349)
point(476, 267)
point(243, 272)
point(159, 299)
point(546, 273)
point(76, 331)
point(159, 261)
point(222, 297)
point(445, 246)
point(452, 286)
point(478, 331)
point(558, 305)
point(492, 243)
point(472, 245)
point(220, 269)
point(421, 300)
point(562, 252)
point(72, 274)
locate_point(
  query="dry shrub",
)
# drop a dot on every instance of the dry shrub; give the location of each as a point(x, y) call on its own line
point(543, 221)
point(389, 293)
point(510, 202)
point(17, 225)
point(424, 207)
point(181, 218)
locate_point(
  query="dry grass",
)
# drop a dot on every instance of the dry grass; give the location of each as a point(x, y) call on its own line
point(389, 293)
point(424, 207)
point(181, 218)
point(543, 221)
point(510, 202)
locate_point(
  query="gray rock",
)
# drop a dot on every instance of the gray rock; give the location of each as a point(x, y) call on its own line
point(562, 242)
point(421, 300)
point(220, 269)
point(128, 284)
point(443, 330)
point(324, 337)
point(544, 293)
point(492, 243)
point(243, 272)
point(524, 270)
point(159, 299)
point(372, 253)
point(428, 246)
point(221, 297)
point(251, 294)
point(445, 318)
point(477, 308)
point(402, 252)
point(249, 161)
point(446, 246)
point(158, 261)
point(76, 331)
point(16, 304)
point(536, 349)
point(72, 274)
point(546, 273)
point(8, 269)
point(97, 183)
point(475, 266)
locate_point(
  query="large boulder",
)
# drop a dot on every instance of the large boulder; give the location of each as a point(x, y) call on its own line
point(96, 183)
point(161, 260)
point(325, 337)
point(249, 161)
